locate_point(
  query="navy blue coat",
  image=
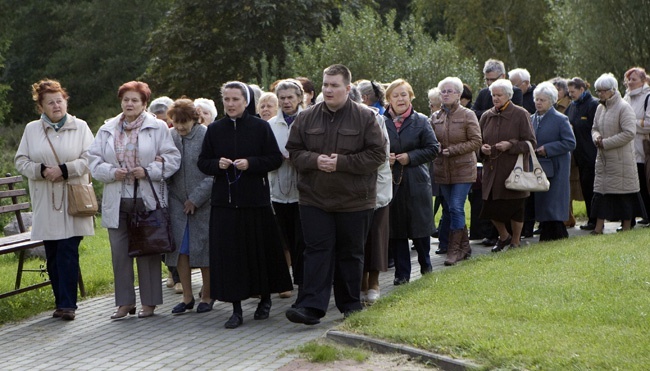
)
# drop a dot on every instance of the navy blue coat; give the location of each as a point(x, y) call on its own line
point(411, 210)
point(554, 132)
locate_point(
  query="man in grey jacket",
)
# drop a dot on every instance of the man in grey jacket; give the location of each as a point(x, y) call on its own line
point(336, 147)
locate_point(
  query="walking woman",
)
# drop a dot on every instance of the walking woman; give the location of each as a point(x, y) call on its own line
point(457, 130)
point(246, 257)
point(53, 152)
point(413, 145)
point(189, 206)
point(125, 146)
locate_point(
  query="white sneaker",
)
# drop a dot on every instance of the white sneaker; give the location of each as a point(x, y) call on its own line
point(373, 295)
point(364, 296)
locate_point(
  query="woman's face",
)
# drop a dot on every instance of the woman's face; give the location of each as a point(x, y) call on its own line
point(542, 103)
point(499, 97)
point(634, 81)
point(268, 109)
point(575, 93)
point(604, 95)
point(183, 127)
point(54, 106)
point(560, 93)
point(205, 117)
point(234, 102)
point(132, 105)
point(399, 99)
point(289, 101)
point(449, 95)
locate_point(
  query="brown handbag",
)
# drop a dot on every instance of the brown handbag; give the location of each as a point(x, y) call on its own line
point(82, 200)
point(149, 231)
point(81, 197)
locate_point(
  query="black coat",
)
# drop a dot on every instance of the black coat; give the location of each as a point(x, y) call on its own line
point(250, 138)
point(483, 101)
point(581, 115)
point(411, 210)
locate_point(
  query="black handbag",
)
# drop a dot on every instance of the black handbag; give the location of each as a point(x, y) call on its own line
point(149, 231)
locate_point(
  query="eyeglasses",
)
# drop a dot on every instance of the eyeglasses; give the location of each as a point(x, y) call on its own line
point(598, 91)
point(448, 92)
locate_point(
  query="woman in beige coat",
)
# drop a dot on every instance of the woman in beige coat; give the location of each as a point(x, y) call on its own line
point(616, 186)
point(52, 152)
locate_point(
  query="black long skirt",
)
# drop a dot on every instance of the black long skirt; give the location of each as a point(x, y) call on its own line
point(246, 256)
point(617, 206)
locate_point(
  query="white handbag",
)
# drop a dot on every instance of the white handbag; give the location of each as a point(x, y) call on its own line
point(533, 181)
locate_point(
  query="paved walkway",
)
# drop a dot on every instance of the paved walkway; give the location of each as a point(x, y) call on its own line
point(166, 342)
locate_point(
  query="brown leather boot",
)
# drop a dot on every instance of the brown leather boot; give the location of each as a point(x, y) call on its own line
point(465, 250)
point(454, 252)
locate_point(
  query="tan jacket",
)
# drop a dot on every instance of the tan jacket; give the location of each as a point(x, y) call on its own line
point(71, 144)
point(459, 132)
point(616, 170)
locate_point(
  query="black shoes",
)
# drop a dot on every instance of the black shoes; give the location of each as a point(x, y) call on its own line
point(489, 241)
point(263, 310)
point(500, 245)
point(400, 281)
point(588, 227)
point(182, 307)
point(235, 321)
point(442, 250)
point(204, 307)
point(305, 316)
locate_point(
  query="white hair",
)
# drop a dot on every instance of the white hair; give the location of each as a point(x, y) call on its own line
point(454, 81)
point(433, 94)
point(208, 105)
point(606, 81)
point(494, 65)
point(504, 84)
point(521, 73)
point(548, 89)
point(160, 105)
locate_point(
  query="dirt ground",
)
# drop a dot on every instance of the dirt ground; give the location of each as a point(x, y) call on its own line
point(376, 361)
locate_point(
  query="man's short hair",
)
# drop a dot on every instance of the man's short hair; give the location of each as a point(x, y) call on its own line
point(339, 69)
point(494, 65)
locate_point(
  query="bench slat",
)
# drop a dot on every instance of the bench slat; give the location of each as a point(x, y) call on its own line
point(13, 193)
point(15, 207)
point(6, 249)
point(15, 238)
point(11, 179)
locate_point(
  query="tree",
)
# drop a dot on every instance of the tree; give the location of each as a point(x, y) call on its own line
point(200, 45)
point(510, 30)
point(594, 37)
point(410, 54)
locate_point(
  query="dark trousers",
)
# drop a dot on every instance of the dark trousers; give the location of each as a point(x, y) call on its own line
point(288, 218)
point(63, 269)
point(587, 177)
point(478, 228)
point(445, 221)
point(334, 244)
point(644, 186)
point(403, 255)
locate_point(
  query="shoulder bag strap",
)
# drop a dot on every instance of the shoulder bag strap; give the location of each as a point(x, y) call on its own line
point(51, 146)
point(533, 157)
point(155, 195)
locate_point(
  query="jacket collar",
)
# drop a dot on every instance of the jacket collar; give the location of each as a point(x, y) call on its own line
point(644, 89)
point(111, 124)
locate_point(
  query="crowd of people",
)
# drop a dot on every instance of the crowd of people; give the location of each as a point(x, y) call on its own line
point(319, 191)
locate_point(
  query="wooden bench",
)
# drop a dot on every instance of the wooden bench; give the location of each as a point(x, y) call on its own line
point(21, 242)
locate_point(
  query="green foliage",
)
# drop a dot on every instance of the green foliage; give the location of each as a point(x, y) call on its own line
point(369, 46)
point(511, 31)
point(198, 47)
point(546, 307)
point(594, 37)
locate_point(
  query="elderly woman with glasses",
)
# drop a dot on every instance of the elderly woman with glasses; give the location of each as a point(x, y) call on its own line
point(555, 141)
point(505, 129)
point(459, 135)
point(616, 185)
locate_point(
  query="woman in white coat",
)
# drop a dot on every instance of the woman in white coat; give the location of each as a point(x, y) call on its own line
point(124, 147)
point(616, 185)
point(52, 152)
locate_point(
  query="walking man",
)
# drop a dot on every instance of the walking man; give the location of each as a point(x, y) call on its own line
point(336, 147)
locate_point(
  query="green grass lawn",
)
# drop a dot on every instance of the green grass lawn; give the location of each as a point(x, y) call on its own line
point(582, 303)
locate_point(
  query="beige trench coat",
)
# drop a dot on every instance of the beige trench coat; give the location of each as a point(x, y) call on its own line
point(71, 144)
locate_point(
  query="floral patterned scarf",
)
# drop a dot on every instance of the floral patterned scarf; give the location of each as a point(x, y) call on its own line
point(126, 147)
point(398, 120)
